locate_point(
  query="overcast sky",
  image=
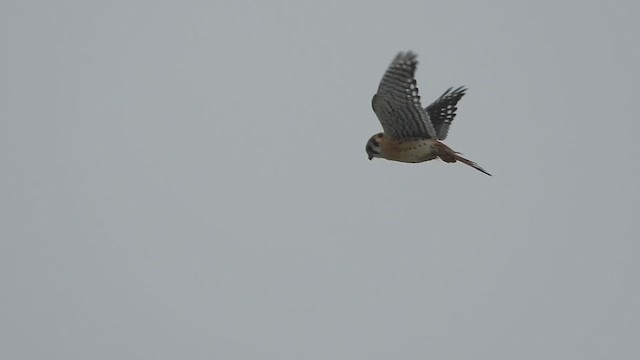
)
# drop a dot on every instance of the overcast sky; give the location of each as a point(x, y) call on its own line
point(188, 180)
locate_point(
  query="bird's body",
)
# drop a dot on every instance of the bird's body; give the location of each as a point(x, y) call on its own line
point(408, 150)
point(412, 134)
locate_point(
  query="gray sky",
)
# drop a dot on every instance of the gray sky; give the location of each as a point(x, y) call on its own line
point(188, 180)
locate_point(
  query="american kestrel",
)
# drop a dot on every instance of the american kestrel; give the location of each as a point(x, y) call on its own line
point(412, 133)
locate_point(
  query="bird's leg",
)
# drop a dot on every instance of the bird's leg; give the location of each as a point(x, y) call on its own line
point(448, 155)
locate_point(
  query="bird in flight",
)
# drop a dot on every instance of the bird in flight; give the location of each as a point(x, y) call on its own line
point(412, 133)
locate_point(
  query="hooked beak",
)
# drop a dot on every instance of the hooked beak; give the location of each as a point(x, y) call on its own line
point(370, 157)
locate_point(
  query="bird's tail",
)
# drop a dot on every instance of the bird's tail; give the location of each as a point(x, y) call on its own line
point(448, 155)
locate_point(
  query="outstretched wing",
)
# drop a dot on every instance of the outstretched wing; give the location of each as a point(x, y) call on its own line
point(397, 103)
point(443, 110)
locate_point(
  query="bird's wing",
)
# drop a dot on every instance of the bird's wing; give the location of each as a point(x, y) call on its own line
point(443, 110)
point(397, 103)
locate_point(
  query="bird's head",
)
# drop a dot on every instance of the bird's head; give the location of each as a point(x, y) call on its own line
point(373, 145)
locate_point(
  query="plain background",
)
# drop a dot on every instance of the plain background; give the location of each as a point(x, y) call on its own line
point(188, 180)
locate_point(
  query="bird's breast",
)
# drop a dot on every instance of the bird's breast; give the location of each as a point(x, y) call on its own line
point(410, 151)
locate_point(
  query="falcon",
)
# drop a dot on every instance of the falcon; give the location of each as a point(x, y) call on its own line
point(412, 133)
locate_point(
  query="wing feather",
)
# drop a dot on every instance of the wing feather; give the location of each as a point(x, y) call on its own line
point(443, 110)
point(397, 102)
